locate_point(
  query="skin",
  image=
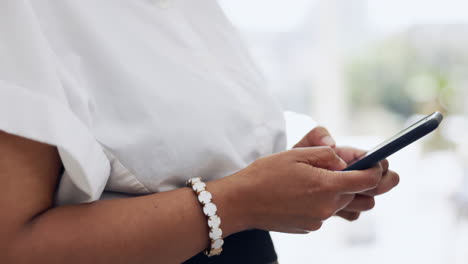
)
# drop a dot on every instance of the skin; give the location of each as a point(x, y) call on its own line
point(363, 201)
point(292, 191)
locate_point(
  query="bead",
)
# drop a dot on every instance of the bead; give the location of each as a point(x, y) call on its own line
point(192, 181)
point(216, 233)
point(214, 221)
point(209, 209)
point(204, 197)
point(216, 244)
point(199, 187)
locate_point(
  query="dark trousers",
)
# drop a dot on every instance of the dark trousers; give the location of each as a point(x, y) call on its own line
point(248, 247)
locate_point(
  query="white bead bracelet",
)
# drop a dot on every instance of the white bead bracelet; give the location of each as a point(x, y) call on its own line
point(209, 210)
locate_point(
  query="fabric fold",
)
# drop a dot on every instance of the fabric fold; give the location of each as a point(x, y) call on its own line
point(40, 118)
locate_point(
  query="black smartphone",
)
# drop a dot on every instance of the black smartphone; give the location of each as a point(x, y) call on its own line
point(397, 142)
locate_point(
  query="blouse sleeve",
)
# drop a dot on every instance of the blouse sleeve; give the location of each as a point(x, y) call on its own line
point(35, 104)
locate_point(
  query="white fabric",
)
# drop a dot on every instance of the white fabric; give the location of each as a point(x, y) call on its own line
point(138, 96)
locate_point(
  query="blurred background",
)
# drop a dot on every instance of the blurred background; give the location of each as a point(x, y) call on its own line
point(365, 69)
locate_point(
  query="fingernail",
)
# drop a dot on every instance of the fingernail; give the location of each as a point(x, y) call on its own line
point(329, 141)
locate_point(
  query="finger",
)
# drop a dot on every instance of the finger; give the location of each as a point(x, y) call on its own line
point(360, 203)
point(344, 201)
point(385, 164)
point(320, 157)
point(349, 154)
point(388, 182)
point(350, 216)
point(356, 181)
point(318, 136)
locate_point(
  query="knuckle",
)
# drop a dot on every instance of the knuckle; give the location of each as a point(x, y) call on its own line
point(314, 226)
point(353, 217)
point(326, 213)
point(294, 152)
point(327, 184)
point(327, 151)
point(320, 130)
point(311, 189)
point(286, 155)
point(370, 203)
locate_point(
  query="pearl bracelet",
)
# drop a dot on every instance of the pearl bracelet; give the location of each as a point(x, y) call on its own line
point(209, 210)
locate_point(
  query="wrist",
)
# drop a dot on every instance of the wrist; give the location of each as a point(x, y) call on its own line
point(230, 197)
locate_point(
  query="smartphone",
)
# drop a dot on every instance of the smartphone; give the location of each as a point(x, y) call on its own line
point(397, 142)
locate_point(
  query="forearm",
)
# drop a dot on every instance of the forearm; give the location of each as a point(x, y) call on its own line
point(167, 227)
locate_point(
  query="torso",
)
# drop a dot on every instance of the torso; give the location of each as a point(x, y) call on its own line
point(170, 92)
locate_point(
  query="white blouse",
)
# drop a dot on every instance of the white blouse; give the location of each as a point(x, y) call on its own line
point(137, 95)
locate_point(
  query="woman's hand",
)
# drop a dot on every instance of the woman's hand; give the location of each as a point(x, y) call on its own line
point(295, 191)
point(365, 201)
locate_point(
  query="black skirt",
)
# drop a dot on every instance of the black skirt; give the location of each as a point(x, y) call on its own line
point(248, 247)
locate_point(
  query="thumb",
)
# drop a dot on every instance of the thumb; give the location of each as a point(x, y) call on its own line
point(318, 136)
